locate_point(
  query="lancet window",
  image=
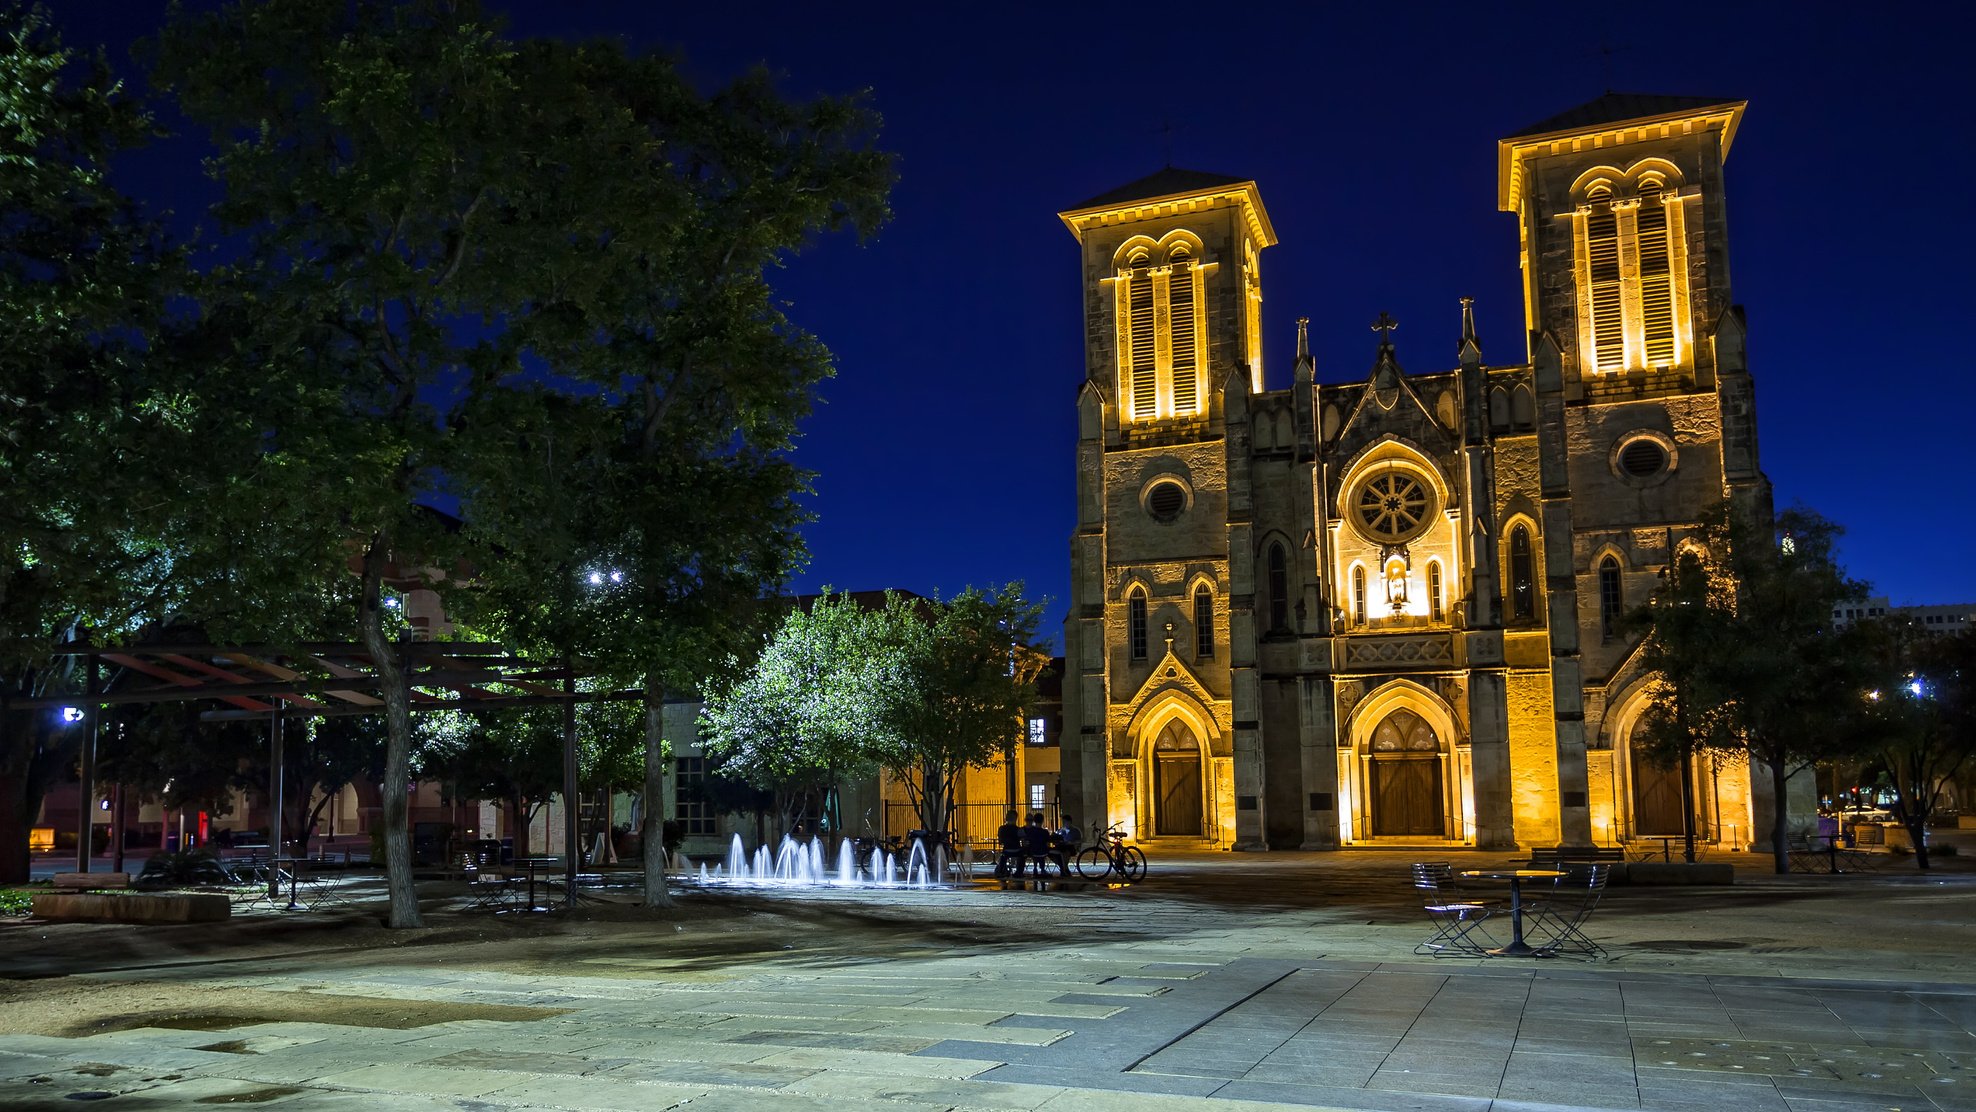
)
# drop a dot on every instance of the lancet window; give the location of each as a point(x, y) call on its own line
point(1135, 620)
point(1630, 261)
point(1203, 621)
point(1522, 576)
point(1161, 344)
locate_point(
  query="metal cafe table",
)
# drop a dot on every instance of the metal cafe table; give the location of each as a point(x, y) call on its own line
point(1517, 948)
point(532, 866)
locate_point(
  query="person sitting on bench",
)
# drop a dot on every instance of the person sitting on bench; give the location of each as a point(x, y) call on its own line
point(1008, 857)
point(1065, 841)
point(1036, 843)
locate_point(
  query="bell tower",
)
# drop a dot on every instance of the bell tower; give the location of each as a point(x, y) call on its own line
point(1624, 238)
point(1172, 295)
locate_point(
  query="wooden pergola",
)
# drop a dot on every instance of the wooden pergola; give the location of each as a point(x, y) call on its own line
point(318, 679)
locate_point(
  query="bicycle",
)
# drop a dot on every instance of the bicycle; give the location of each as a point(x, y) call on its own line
point(1112, 855)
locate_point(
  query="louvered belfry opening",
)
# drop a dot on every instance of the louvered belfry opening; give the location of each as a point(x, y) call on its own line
point(1144, 367)
point(1182, 333)
point(1602, 257)
point(1656, 277)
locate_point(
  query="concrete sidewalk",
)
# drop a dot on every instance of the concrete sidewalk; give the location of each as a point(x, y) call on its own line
point(1226, 981)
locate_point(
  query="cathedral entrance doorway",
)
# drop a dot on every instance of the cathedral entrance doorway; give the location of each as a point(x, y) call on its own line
point(1177, 782)
point(1406, 778)
point(1656, 796)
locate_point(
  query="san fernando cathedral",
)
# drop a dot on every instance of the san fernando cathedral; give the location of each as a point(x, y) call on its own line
point(1388, 610)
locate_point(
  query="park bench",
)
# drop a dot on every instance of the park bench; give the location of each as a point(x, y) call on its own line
point(1557, 856)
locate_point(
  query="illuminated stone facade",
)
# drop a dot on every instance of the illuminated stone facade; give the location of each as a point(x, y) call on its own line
point(1384, 611)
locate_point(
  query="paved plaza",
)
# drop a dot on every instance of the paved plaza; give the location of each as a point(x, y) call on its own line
point(1223, 982)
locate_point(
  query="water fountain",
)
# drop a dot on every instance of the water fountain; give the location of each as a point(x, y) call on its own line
point(797, 864)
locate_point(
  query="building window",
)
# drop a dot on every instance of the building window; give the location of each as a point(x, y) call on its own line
point(1358, 596)
point(1160, 352)
point(1610, 599)
point(1628, 249)
point(1039, 731)
point(695, 814)
point(1279, 589)
point(1434, 607)
point(1602, 269)
point(1522, 576)
point(1135, 611)
point(1039, 796)
point(1203, 621)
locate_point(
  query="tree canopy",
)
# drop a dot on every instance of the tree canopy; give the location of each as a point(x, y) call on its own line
point(922, 689)
point(1742, 641)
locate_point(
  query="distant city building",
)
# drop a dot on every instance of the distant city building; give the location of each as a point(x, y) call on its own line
point(1388, 611)
point(1948, 618)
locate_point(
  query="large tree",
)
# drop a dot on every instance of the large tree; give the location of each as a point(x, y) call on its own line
point(92, 438)
point(459, 254)
point(920, 688)
point(1742, 637)
point(800, 718)
point(954, 689)
point(1917, 713)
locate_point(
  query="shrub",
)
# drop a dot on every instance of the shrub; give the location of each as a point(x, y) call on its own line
point(179, 870)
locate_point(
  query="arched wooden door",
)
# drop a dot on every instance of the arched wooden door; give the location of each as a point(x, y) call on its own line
point(1406, 778)
point(1656, 795)
point(1177, 782)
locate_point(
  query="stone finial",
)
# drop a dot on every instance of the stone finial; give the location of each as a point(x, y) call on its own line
point(1303, 337)
point(1384, 326)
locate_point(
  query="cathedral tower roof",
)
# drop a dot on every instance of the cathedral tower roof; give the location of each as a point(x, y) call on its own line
point(1168, 191)
point(1607, 121)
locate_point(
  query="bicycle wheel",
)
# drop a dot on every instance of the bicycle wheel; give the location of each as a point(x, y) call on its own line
point(1093, 863)
point(1134, 861)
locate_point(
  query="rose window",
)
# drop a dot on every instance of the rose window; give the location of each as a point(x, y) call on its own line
point(1392, 506)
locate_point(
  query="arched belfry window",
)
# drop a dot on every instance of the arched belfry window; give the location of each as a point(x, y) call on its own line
point(1180, 311)
point(1135, 620)
point(1602, 271)
point(1142, 373)
point(1279, 589)
point(1656, 277)
point(1630, 261)
point(1203, 621)
point(1161, 349)
point(1522, 575)
point(1611, 601)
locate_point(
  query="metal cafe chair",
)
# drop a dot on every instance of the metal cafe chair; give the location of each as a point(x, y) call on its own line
point(1457, 922)
point(1557, 921)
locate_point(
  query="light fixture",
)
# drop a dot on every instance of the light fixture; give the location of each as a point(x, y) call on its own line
point(72, 714)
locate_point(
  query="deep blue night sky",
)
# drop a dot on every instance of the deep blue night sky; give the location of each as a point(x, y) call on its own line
point(944, 449)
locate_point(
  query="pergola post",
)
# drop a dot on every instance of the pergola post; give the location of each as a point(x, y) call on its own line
point(274, 799)
point(570, 835)
point(86, 791)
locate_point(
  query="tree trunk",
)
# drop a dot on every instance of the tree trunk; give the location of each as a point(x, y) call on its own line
point(398, 743)
point(653, 829)
point(1780, 815)
point(16, 818)
point(518, 819)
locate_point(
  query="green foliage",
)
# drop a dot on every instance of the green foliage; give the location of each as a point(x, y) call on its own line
point(1915, 713)
point(16, 903)
point(1742, 646)
point(183, 870)
point(84, 282)
point(922, 690)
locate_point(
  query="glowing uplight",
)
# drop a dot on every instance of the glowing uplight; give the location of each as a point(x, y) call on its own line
point(72, 714)
point(596, 579)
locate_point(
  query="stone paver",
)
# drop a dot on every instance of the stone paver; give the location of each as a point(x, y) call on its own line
point(1146, 998)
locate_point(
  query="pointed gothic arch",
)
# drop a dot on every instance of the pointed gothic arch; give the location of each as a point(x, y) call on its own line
point(1405, 771)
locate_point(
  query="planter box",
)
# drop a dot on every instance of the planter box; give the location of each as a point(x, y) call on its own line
point(1680, 872)
point(132, 907)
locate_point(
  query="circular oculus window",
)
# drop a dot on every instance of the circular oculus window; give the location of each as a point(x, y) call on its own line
point(1165, 500)
point(1392, 506)
point(1642, 458)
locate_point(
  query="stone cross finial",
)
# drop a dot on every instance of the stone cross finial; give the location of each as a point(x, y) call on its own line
point(1385, 324)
